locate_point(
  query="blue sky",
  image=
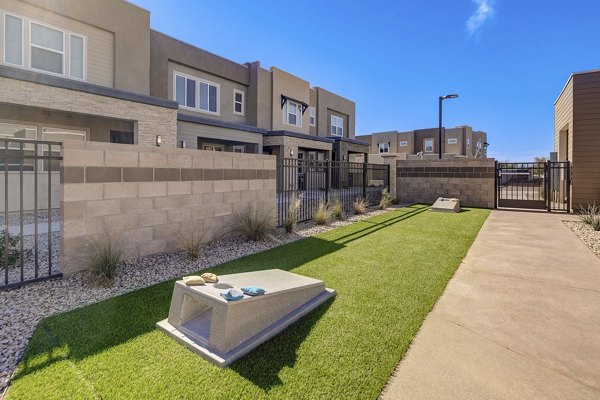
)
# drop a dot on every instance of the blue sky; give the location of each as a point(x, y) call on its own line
point(507, 59)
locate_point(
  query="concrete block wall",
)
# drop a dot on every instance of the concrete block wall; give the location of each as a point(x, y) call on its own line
point(423, 181)
point(147, 197)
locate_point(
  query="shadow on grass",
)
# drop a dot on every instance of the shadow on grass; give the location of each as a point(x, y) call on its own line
point(87, 331)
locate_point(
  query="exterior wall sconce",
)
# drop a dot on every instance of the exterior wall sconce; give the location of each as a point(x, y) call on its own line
point(158, 140)
point(344, 157)
point(183, 144)
point(291, 153)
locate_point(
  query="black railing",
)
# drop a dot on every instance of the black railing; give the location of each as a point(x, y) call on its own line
point(314, 181)
point(32, 174)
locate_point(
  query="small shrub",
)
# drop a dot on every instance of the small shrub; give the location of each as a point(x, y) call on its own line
point(360, 205)
point(591, 216)
point(337, 210)
point(322, 214)
point(104, 258)
point(292, 218)
point(386, 199)
point(192, 244)
point(13, 251)
point(255, 223)
point(395, 201)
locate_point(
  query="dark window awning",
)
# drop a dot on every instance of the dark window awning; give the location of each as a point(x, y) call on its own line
point(284, 100)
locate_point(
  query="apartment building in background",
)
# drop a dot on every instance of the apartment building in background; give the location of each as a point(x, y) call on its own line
point(91, 70)
point(461, 141)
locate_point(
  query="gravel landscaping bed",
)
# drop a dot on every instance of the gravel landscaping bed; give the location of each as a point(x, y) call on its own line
point(14, 218)
point(585, 232)
point(21, 309)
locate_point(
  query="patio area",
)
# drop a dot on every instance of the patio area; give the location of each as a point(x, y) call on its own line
point(519, 319)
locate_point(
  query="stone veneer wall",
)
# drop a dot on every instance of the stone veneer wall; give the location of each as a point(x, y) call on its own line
point(423, 181)
point(146, 197)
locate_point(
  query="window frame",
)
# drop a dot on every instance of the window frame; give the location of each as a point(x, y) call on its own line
point(340, 128)
point(23, 23)
point(242, 103)
point(241, 148)
point(63, 53)
point(197, 94)
point(425, 145)
point(214, 147)
point(312, 116)
point(387, 148)
point(298, 114)
point(403, 143)
point(452, 141)
point(84, 38)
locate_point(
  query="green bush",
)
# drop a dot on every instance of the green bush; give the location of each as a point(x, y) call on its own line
point(292, 218)
point(360, 205)
point(255, 223)
point(337, 210)
point(104, 258)
point(591, 215)
point(13, 251)
point(386, 199)
point(322, 214)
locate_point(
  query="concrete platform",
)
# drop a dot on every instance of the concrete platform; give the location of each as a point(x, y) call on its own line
point(223, 331)
point(519, 319)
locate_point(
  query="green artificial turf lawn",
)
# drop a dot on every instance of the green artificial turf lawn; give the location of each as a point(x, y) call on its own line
point(388, 272)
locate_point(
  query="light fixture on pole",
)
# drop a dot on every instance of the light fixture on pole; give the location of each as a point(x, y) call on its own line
point(442, 98)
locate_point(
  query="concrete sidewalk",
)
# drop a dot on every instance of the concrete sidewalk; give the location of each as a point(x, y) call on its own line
point(519, 319)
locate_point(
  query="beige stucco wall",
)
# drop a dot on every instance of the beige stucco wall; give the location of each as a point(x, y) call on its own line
point(119, 47)
point(329, 104)
point(149, 120)
point(288, 85)
point(423, 181)
point(145, 198)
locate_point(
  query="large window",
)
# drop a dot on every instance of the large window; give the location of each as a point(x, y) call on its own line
point(337, 126)
point(428, 145)
point(312, 116)
point(452, 140)
point(292, 113)
point(196, 93)
point(49, 49)
point(384, 147)
point(238, 102)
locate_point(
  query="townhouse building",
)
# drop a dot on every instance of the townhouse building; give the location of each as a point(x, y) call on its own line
point(461, 141)
point(90, 70)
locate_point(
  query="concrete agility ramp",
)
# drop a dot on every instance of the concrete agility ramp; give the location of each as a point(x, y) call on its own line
point(444, 204)
point(223, 331)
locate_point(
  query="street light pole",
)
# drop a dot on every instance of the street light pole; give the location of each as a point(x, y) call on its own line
point(441, 99)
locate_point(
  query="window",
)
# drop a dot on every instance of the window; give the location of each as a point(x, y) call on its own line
point(18, 131)
point(468, 142)
point(47, 49)
point(428, 145)
point(239, 149)
point(403, 143)
point(384, 147)
point(313, 116)
point(58, 135)
point(337, 125)
point(238, 102)
point(13, 40)
point(212, 147)
point(452, 141)
point(292, 113)
point(76, 56)
point(195, 93)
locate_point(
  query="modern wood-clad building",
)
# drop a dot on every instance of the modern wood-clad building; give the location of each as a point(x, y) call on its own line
point(577, 135)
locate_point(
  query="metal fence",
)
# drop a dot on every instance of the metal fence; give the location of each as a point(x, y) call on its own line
point(314, 181)
point(28, 237)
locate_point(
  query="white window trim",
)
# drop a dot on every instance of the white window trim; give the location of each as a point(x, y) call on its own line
point(452, 141)
point(197, 97)
point(26, 24)
point(235, 91)
point(403, 143)
point(23, 23)
point(242, 148)
point(285, 113)
point(386, 145)
point(312, 114)
point(214, 146)
point(338, 128)
point(425, 145)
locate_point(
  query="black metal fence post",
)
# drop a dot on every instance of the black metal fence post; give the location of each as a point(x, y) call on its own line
point(496, 178)
point(327, 177)
point(548, 176)
point(364, 181)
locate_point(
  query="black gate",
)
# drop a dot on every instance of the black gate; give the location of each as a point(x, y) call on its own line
point(30, 217)
point(533, 185)
point(314, 181)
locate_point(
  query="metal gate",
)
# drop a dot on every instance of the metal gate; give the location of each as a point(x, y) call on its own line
point(29, 210)
point(314, 181)
point(533, 185)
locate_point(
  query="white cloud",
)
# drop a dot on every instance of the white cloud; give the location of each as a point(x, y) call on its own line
point(485, 10)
